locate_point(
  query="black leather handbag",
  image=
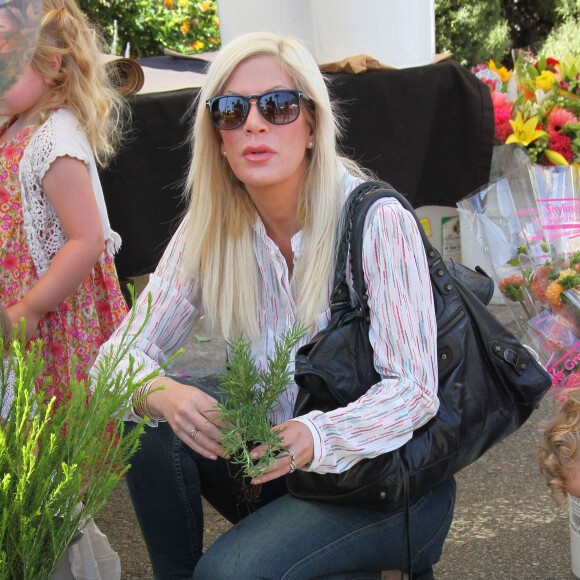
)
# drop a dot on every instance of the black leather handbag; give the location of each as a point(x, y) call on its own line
point(489, 383)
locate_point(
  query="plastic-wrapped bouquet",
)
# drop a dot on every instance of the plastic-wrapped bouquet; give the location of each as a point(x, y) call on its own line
point(528, 223)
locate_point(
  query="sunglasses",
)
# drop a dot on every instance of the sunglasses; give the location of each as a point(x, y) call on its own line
point(229, 112)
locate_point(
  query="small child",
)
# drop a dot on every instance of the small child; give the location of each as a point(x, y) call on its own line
point(559, 455)
point(56, 244)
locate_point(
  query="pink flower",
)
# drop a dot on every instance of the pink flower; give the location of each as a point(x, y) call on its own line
point(110, 282)
point(558, 118)
point(502, 113)
point(478, 67)
point(500, 100)
point(9, 150)
point(103, 308)
point(491, 83)
point(4, 195)
point(10, 262)
point(56, 349)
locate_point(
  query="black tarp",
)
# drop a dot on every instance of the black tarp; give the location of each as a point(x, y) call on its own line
point(426, 130)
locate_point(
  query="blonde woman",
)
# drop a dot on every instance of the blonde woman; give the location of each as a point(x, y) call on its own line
point(254, 254)
point(56, 242)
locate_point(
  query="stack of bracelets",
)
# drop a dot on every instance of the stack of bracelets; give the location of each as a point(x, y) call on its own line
point(140, 402)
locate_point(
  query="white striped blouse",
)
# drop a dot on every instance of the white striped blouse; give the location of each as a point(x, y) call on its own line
point(402, 331)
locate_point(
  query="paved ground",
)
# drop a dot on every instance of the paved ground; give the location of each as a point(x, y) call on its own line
point(506, 525)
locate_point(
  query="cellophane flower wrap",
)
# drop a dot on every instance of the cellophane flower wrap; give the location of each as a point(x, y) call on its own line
point(528, 224)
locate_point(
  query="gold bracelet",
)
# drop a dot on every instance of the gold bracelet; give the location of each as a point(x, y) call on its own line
point(140, 402)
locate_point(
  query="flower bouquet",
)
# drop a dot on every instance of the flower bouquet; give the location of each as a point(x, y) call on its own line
point(537, 106)
point(528, 224)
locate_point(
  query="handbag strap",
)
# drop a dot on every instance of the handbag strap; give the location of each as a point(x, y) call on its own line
point(439, 273)
point(340, 297)
point(357, 207)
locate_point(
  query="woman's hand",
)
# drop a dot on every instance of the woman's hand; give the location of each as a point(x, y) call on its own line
point(192, 414)
point(296, 437)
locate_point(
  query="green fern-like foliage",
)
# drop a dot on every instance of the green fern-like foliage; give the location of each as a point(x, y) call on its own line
point(58, 465)
point(249, 395)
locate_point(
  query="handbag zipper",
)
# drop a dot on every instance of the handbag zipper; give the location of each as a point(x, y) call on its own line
point(451, 323)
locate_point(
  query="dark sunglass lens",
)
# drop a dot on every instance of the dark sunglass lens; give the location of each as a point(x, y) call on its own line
point(229, 112)
point(280, 108)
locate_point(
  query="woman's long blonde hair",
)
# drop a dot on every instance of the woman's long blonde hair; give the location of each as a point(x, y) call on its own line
point(81, 83)
point(560, 450)
point(220, 213)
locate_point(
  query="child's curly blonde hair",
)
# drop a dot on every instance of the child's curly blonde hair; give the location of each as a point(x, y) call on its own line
point(81, 83)
point(560, 450)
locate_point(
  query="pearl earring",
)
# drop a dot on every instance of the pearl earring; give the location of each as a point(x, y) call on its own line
point(225, 153)
point(310, 145)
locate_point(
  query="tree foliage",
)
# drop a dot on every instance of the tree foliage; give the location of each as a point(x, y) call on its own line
point(564, 38)
point(149, 26)
point(473, 30)
point(530, 21)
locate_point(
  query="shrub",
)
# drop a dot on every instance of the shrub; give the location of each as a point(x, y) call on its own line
point(58, 465)
point(564, 38)
point(149, 26)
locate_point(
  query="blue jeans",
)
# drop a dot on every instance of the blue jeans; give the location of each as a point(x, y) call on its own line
point(276, 537)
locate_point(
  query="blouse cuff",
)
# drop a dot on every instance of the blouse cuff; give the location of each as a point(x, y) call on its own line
point(319, 449)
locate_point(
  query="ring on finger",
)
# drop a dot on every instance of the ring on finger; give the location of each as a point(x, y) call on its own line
point(193, 432)
point(292, 467)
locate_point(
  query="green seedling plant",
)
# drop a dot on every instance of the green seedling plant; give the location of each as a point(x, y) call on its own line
point(249, 395)
point(59, 464)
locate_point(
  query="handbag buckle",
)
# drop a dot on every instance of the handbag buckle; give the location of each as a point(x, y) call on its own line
point(510, 356)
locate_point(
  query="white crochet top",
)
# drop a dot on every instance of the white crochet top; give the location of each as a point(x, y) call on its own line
point(60, 135)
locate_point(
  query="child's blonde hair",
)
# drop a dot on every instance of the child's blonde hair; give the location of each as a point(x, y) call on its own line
point(561, 447)
point(81, 83)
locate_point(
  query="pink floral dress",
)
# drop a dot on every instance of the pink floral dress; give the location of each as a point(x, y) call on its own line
point(80, 324)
